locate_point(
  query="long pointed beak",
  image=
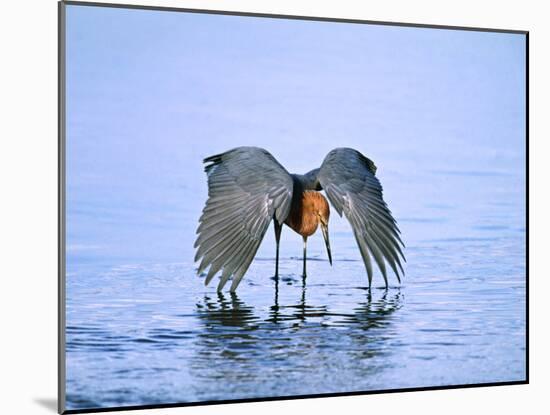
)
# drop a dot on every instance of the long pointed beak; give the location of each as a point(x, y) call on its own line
point(324, 228)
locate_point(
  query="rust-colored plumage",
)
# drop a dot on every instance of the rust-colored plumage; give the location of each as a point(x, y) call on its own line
point(307, 212)
point(309, 209)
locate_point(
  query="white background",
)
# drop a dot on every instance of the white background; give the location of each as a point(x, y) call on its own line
point(28, 185)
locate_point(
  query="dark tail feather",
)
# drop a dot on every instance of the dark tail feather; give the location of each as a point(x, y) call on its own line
point(214, 160)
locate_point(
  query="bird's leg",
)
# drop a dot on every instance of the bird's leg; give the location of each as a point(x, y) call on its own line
point(278, 229)
point(304, 275)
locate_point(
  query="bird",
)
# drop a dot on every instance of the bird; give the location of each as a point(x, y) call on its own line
point(248, 188)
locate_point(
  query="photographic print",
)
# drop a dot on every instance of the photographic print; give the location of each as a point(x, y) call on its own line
point(264, 207)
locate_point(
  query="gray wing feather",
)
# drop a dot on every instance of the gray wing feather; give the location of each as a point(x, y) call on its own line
point(247, 187)
point(349, 181)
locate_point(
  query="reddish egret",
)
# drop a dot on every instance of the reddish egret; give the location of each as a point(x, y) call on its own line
point(248, 187)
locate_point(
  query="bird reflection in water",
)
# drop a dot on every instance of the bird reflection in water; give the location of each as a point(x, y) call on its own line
point(299, 312)
point(226, 346)
point(246, 346)
point(228, 317)
point(226, 311)
point(375, 313)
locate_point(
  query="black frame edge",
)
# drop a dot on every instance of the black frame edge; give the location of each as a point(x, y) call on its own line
point(61, 362)
point(287, 16)
point(527, 206)
point(295, 397)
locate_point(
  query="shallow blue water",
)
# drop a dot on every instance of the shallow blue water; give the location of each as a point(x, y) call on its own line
point(441, 113)
point(144, 333)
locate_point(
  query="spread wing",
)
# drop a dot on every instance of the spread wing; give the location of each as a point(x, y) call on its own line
point(247, 187)
point(349, 181)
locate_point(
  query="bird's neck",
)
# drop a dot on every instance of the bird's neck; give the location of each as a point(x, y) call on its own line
point(308, 181)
